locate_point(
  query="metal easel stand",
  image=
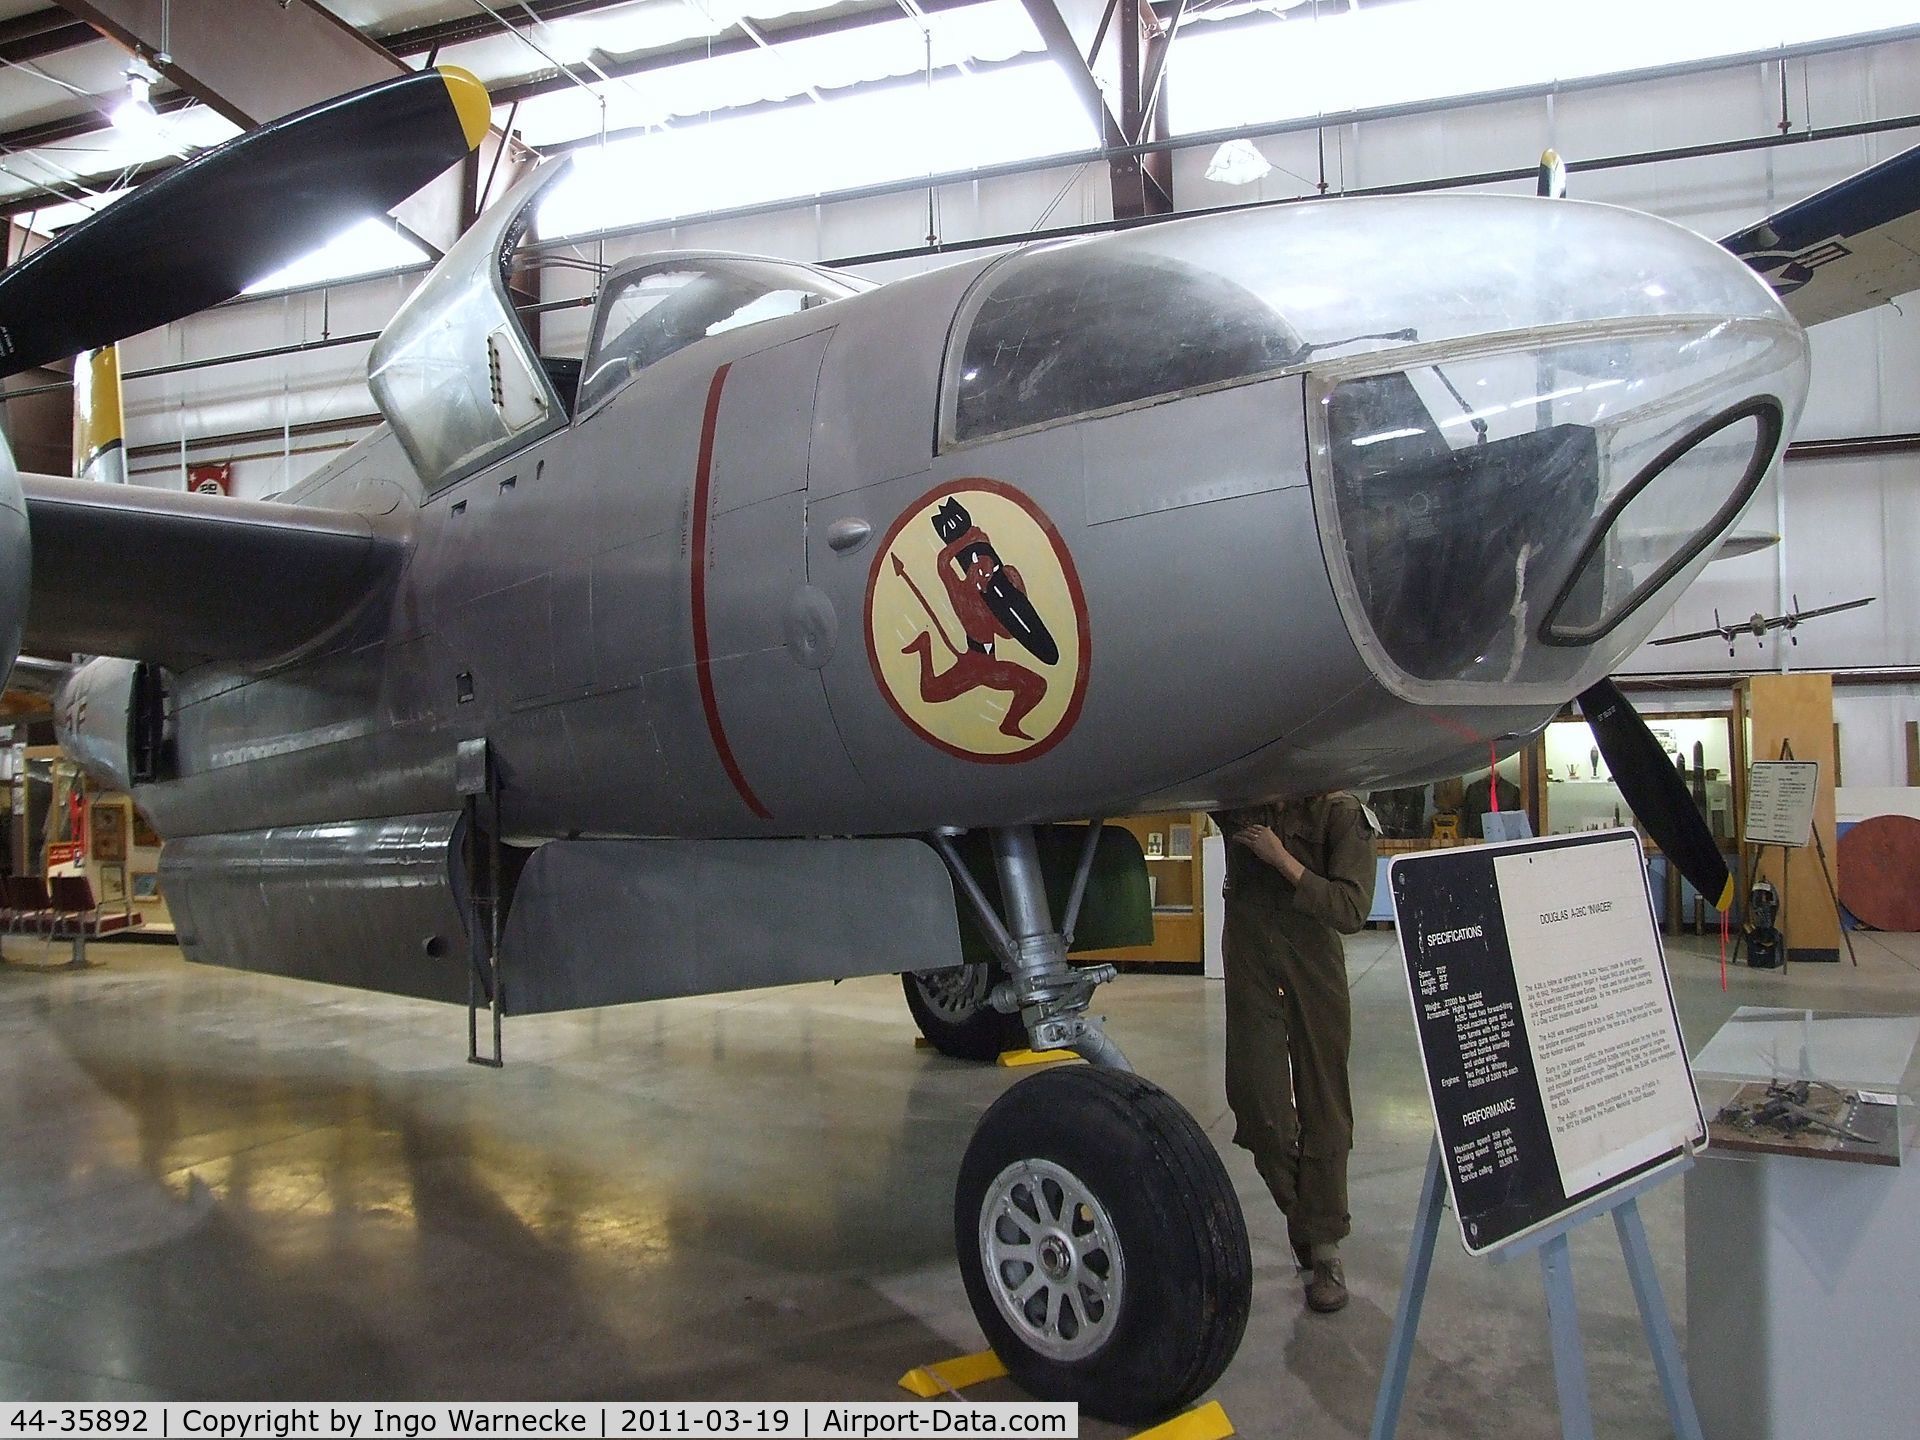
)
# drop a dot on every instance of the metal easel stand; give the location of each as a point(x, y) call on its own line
point(1556, 1275)
point(1826, 874)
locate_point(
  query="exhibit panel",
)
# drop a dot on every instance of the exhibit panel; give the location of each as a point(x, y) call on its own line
point(1790, 717)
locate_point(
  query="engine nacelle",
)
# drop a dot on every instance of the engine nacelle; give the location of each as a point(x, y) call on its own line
point(93, 718)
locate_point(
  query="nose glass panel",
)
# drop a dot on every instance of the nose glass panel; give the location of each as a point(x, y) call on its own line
point(1497, 513)
point(1681, 501)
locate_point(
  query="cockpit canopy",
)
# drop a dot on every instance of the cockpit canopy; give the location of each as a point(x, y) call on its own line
point(654, 306)
point(458, 378)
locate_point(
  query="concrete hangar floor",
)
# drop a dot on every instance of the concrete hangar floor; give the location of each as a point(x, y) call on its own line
point(216, 1185)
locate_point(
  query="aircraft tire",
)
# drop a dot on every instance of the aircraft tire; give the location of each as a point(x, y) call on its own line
point(950, 1008)
point(1097, 1180)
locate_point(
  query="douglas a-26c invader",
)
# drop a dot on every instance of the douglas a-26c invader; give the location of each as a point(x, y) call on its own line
point(773, 639)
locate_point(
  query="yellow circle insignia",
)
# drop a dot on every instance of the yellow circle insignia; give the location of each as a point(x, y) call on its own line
point(976, 623)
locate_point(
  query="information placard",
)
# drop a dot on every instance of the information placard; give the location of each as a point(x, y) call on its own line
point(1554, 1060)
point(1780, 796)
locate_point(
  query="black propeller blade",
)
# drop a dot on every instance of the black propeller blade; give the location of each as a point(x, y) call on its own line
point(203, 232)
point(1655, 792)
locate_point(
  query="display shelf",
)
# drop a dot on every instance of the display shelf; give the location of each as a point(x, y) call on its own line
point(1178, 902)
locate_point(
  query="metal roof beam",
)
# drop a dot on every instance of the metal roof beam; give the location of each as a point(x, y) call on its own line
point(425, 39)
point(252, 63)
point(41, 33)
point(46, 199)
point(639, 62)
point(1113, 51)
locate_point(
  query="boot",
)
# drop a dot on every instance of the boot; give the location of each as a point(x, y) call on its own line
point(1326, 1281)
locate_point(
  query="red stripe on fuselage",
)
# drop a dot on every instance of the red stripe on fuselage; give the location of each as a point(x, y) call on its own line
point(702, 658)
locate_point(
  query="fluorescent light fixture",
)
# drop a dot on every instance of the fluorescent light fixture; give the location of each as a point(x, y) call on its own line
point(1404, 433)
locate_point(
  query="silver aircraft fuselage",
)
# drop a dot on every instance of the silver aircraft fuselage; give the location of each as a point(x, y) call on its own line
point(1259, 504)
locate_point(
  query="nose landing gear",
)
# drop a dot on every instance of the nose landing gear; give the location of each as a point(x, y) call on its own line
point(1100, 1241)
point(1101, 1244)
point(1050, 996)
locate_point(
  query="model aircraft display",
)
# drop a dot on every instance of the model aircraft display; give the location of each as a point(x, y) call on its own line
point(777, 637)
point(1757, 625)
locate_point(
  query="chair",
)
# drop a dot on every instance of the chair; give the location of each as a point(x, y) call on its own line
point(30, 905)
point(73, 909)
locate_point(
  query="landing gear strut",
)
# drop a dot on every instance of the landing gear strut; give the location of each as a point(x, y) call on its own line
point(1099, 1238)
point(1049, 995)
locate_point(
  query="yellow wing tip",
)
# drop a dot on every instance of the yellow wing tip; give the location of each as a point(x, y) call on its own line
point(470, 102)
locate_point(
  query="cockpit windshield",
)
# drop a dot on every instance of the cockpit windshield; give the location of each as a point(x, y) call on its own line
point(664, 303)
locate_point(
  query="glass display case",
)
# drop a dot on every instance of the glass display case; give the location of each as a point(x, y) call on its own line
point(1581, 795)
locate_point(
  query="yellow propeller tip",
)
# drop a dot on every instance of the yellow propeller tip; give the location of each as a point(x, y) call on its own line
point(1549, 158)
point(470, 102)
point(1725, 902)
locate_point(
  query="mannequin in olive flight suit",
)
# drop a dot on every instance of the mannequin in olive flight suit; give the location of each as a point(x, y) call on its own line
point(1299, 875)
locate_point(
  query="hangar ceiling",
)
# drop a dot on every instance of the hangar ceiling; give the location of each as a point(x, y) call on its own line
point(572, 73)
point(561, 71)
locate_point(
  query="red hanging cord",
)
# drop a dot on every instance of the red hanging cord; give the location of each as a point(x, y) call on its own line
point(1725, 922)
point(1493, 775)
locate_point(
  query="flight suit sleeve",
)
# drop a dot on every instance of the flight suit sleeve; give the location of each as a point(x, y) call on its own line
point(1343, 896)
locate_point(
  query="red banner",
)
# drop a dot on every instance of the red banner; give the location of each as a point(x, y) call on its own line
point(212, 479)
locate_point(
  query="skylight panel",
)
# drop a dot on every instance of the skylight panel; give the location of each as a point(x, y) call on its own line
point(1299, 66)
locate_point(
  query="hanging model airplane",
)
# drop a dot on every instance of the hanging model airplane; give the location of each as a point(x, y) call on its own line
point(1757, 625)
point(733, 653)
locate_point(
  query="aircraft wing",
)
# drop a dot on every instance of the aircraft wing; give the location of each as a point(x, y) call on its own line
point(1824, 610)
point(1691, 635)
point(1850, 247)
point(183, 579)
point(1649, 547)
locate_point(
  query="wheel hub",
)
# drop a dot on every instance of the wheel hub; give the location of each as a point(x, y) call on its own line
point(1052, 1259)
point(958, 994)
point(1056, 1258)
